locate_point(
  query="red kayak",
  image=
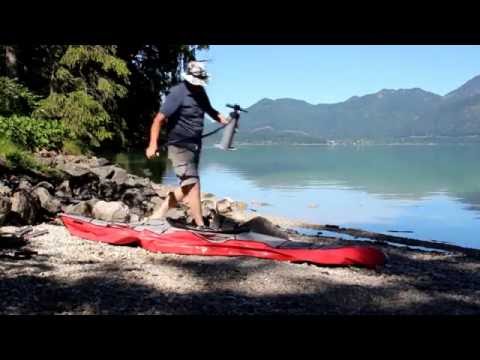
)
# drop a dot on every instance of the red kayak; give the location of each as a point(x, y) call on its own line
point(160, 236)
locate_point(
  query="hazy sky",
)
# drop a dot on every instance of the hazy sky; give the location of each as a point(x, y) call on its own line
point(328, 74)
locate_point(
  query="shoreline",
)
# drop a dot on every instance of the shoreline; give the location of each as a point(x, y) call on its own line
point(356, 145)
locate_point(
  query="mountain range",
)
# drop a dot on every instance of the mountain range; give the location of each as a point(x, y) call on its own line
point(385, 115)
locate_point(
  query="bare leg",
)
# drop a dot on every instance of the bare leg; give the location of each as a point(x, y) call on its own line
point(190, 194)
point(170, 202)
point(194, 203)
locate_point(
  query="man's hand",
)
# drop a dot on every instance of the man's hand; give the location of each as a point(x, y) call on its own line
point(223, 120)
point(154, 132)
point(151, 151)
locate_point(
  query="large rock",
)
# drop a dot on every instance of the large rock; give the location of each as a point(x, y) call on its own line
point(137, 181)
point(63, 190)
point(77, 159)
point(5, 206)
point(133, 197)
point(25, 208)
point(85, 186)
point(224, 206)
point(93, 162)
point(138, 212)
point(135, 218)
point(102, 161)
point(208, 206)
point(107, 190)
point(45, 185)
point(24, 185)
point(47, 201)
point(176, 213)
point(80, 179)
point(60, 161)
point(111, 211)
point(4, 190)
point(85, 193)
point(120, 176)
point(153, 203)
point(83, 208)
point(148, 192)
point(104, 172)
point(111, 172)
point(73, 170)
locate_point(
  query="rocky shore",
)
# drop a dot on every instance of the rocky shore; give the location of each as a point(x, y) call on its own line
point(56, 273)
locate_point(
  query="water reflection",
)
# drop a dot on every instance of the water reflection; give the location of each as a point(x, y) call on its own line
point(136, 163)
point(431, 190)
point(407, 172)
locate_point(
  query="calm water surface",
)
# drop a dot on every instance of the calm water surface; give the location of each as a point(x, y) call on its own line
point(433, 191)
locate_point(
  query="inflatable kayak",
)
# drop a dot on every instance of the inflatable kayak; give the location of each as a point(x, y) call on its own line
point(166, 236)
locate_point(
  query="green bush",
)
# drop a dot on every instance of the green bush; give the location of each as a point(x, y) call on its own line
point(81, 113)
point(21, 159)
point(15, 98)
point(18, 158)
point(7, 146)
point(34, 134)
point(85, 91)
point(15, 155)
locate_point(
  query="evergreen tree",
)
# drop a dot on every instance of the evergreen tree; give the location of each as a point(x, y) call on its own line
point(86, 84)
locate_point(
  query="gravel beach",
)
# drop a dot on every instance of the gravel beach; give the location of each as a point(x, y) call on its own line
point(63, 274)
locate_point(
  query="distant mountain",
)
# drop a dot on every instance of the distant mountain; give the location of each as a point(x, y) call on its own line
point(469, 89)
point(387, 114)
point(459, 112)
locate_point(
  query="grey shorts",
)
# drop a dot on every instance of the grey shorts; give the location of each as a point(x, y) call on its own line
point(185, 164)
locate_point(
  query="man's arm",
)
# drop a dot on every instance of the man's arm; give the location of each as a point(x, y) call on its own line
point(214, 114)
point(171, 104)
point(157, 124)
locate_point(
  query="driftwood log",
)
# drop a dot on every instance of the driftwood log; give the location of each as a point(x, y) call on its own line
point(395, 239)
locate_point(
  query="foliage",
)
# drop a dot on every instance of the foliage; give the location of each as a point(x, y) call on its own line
point(154, 68)
point(7, 146)
point(22, 160)
point(105, 95)
point(72, 147)
point(15, 98)
point(16, 156)
point(85, 118)
point(33, 133)
point(86, 85)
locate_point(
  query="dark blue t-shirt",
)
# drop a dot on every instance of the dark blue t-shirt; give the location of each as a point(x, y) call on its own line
point(185, 106)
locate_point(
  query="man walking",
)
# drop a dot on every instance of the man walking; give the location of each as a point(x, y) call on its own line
point(182, 113)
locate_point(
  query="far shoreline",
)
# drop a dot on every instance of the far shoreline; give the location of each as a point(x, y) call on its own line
point(211, 146)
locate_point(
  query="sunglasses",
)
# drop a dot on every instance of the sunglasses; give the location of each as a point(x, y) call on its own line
point(202, 75)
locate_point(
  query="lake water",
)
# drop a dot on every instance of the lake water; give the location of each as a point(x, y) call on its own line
point(432, 192)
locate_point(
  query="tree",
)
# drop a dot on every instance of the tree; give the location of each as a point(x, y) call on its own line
point(154, 68)
point(11, 61)
point(100, 92)
point(85, 86)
